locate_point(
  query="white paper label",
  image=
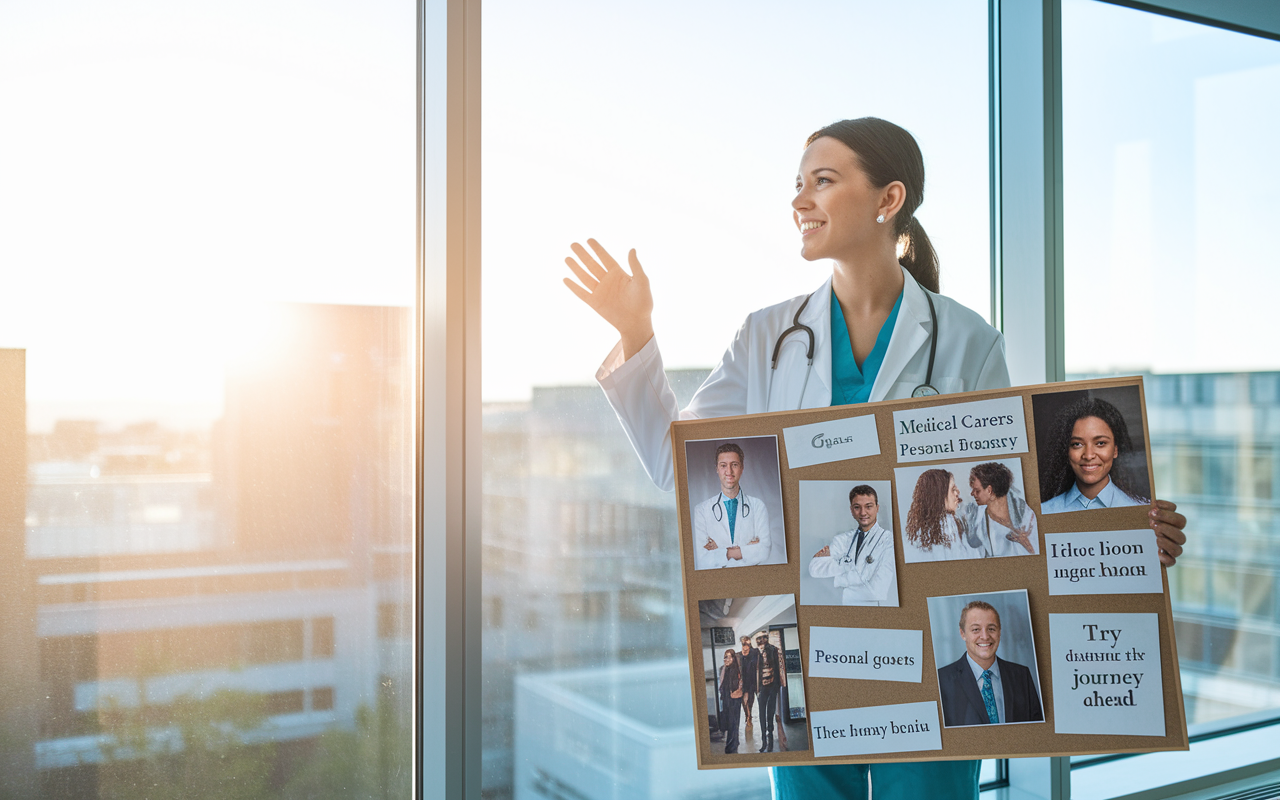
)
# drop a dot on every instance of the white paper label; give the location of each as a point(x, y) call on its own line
point(961, 430)
point(904, 728)
point(1106, 674)
point(837, 440)
point(869, 654)
point(1103, 562)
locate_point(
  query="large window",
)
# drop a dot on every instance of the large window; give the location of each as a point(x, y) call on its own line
point(206, 393)
point(675, 129)
point(1170, 170)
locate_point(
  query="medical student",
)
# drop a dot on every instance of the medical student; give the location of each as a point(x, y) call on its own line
point(869, 332)
point(860, 559)
point(731, 527)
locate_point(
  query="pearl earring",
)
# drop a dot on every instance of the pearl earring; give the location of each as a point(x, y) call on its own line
point(880, 219)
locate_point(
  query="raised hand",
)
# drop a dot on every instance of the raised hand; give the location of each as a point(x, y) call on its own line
point(624, 301)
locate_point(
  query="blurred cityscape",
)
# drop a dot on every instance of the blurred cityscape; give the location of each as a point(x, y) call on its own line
point(222, 612)
point(227, 612)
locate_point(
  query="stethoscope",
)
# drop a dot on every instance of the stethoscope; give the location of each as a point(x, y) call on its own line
point(848, 559)
point(717, 509)
point(925, 389)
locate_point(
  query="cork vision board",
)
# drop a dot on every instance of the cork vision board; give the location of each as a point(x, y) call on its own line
point(953, 577)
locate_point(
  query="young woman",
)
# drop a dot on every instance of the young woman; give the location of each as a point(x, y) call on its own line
point(730, 699)
point(1087, 453)
point(933, 532)
point(865, 334)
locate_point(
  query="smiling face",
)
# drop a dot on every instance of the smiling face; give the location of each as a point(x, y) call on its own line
point(980, 630)
point(865, 510)
point(1092, 450)
point(836, 206)
point(982, 495)
point(953, 497)
point(729, 468)
point(728, 658)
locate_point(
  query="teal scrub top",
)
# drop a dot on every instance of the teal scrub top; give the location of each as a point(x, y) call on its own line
point(849, 382)
point(941, 780)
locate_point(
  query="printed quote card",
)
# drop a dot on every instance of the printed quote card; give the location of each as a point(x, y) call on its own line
point(1106, 674)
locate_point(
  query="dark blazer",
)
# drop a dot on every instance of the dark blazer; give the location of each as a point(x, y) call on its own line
point(962, 701)
point(750, 666)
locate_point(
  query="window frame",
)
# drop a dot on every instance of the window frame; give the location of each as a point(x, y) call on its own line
point(1027, 305)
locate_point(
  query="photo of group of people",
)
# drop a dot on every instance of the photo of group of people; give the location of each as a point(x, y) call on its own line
point(755, 689)
point(1090, 454)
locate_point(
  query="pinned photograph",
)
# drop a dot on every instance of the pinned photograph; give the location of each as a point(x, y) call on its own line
point(754, 684)
point(1092, 449)
point(972, 509)
point(735, 491)
point(990, 675)
point(850, 534)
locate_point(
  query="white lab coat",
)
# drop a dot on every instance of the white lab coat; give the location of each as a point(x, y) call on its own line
point(752, 527)
point(870, 579)
point(970, 356)
point(994, 538)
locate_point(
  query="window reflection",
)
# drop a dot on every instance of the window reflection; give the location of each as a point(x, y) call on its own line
point(206, 464)
point(1159, 115)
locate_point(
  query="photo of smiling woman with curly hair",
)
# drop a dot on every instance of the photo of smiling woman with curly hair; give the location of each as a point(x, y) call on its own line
point(1088, 458)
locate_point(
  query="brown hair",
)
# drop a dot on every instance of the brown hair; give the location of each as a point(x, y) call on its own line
point(979, 604)
point(730, 447)
point(889, 153)
point(928, 510)
point(995, 476)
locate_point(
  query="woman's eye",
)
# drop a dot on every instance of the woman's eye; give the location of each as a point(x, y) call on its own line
point(823, 180)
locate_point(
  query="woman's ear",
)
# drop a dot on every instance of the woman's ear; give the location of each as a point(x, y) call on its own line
point(891, 199)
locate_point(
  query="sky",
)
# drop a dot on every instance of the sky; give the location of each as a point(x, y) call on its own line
point(170, 170)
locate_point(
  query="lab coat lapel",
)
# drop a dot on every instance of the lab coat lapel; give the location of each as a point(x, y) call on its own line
point(817, 315)
point(909, 334)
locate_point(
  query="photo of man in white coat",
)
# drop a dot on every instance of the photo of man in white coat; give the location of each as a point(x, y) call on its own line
point(730, 529)
point(860, 560)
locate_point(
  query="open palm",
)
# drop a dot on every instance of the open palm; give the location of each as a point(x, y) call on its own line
point(622, 300)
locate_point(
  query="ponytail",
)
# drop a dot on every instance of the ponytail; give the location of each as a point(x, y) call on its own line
point(919, 257)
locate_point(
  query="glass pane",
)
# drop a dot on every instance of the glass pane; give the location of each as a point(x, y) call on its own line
point(1170, 169)
point(676, 129)
point(206, 448)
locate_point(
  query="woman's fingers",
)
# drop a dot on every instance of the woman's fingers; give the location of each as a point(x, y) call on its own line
point(582, 294)
point(603, 255)
point(1168, 525)
point(588, 280)
point(637, 271)
point(588, 262)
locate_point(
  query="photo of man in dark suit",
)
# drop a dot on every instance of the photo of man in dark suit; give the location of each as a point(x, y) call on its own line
point(979, 688)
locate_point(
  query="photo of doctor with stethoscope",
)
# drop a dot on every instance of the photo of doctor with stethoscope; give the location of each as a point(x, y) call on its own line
point(732, 528)
point(875, 329)
point(856, 566)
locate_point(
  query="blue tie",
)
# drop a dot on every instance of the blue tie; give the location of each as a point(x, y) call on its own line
point(989, 698)
point(731, 508)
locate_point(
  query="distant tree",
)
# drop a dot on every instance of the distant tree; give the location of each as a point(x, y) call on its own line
point(197, 748)
point(372, 762)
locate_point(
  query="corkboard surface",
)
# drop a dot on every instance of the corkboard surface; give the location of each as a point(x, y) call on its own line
point(916, 582)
